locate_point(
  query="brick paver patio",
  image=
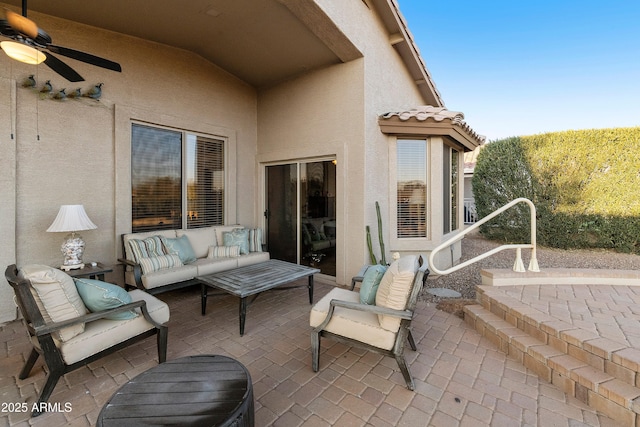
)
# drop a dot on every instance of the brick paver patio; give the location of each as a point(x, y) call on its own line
point(461, 378)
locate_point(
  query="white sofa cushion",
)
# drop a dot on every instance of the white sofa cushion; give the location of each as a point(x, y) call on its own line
point(200, 239)
point(215, 265)
point(357, 325)
point(252, 258)
point(56, 295)
point(394, 289)
point(169, 276)
point(103, 333)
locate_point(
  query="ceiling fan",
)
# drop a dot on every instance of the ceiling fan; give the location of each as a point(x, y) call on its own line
point(29, 40)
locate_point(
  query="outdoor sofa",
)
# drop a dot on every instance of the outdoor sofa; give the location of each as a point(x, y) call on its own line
point(164, 260)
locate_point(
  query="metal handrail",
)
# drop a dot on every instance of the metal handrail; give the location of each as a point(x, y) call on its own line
point(517, 266)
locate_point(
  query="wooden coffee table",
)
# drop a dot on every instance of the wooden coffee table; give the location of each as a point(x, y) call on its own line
point(251, 280)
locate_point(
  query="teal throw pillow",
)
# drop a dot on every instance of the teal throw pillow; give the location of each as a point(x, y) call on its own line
point(181, 247)
point(370, 282)
point(99, 296)
point(237, 237)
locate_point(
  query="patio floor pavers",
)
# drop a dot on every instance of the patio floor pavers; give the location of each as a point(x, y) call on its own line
point(461, 378)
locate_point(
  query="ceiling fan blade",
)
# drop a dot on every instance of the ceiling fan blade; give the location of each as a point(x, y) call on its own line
point(6, 30)
point(22, 24)
point(85, 57)
point(63, 69)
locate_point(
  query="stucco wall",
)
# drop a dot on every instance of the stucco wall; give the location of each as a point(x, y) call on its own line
point(320, 115)
point(389, 87)
point(7, 194)
point(82, 153)
point(335, 112)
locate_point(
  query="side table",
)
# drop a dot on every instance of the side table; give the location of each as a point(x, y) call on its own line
point(91, 272)
point(203, 390)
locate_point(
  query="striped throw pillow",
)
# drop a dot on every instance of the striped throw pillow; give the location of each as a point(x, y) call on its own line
point(255, 240)
point(154, 246)
point(155, 263)
point(149, 247)
point(223, 251)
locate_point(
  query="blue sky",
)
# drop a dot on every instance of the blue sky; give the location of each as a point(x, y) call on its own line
point(522, 67)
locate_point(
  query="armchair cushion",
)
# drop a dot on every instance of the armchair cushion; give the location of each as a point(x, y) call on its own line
point(98, 296)
point(354, 324)
point(370, 283)
point(56, 296)
point(180, 246)
point(394, 289)
point(102, 334)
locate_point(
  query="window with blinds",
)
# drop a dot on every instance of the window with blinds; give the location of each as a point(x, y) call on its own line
point(177, 179)
point(411, 188)
point(450, 183)
point(205, 181)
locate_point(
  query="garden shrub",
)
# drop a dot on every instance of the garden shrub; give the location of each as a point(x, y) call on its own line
point(585, 185)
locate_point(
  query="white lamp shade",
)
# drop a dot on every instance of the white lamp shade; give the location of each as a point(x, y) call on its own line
point(71, 218)
point(23, 53)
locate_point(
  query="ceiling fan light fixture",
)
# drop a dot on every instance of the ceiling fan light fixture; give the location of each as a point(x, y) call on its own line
point(23, 53)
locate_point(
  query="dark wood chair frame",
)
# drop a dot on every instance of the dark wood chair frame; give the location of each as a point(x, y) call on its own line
point(38, 328)
point(403, 334)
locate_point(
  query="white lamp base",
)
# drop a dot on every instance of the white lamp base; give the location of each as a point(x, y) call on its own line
point(72, 249)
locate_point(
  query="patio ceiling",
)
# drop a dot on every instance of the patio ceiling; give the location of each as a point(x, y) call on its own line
point(261, 42)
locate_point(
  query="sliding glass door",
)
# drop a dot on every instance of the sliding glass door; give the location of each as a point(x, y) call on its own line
point(301, 213)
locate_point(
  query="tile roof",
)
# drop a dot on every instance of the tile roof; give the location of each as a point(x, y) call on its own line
point(436, 114)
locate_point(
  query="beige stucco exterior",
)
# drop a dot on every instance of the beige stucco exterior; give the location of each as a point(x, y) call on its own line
point(78, 151)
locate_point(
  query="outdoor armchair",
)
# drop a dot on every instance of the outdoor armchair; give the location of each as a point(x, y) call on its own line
point(67, 334)
point(384, 327)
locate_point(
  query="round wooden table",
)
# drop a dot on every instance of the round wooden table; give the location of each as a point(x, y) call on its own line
point(204, 390)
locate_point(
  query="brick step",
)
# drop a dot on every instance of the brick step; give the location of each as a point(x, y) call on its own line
point(560, 276)
point(596, 372)
point(615, 358)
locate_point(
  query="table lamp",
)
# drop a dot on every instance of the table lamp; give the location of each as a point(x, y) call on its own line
point(72, 218)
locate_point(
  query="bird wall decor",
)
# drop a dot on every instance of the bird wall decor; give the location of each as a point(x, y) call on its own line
point(29, 81)
point(60, 95)
point(95, 92)
point(75, 94)
point(47, 90)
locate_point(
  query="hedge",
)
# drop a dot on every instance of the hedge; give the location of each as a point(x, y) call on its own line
point(585, 185)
